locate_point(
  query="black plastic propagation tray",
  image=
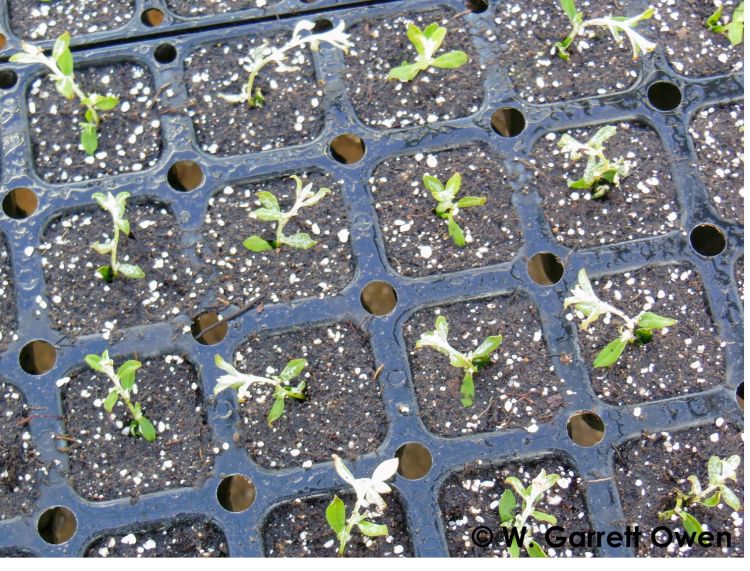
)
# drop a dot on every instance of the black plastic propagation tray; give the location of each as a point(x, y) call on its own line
point(242, 530)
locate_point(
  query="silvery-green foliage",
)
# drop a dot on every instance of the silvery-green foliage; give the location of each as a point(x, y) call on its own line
point(448, 207)
point(470, 362)
point(369, 493)
point(123, 381)
point(638, 329)
point(241, 382)
point(115, 205)
point(427, 42)
point(266, 54)
point(61, 66)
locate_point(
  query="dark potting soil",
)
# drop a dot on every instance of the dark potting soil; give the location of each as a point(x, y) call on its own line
point(645, 204)
point(191, 538)
point(299, 529)
point(690, 47)
point(470, 498)
point(203, 7)
point(129, 135)
point(106, 464)
point(81, 303)
point(343, 412)
point(739, 276)
point(434, 95)
point(688, 358)
point(243, 277)
point(293, 110)
point(417, 240)
point(20, 470)
point(650, 468)
point(519, 388)
point(528, 29)
point(37, 20)
point(718, 135)
point(8, 323)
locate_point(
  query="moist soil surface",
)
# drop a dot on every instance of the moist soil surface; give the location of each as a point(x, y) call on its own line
point(691, 48)
point(527, 31)
point(242, 276)
point(470, 498)
point(37, 20)
point(8, 324)
point(20, 469)
point(343, 412)
point(687, 358)
point(203, 7)
point(417, 240)
point(129, 135)
point(299, 529)
point(718, 134)
point(519, 388)
point(433, 95)
point(650, 468)
point(644, 205)
point(106, 464)
point(292, 113)
point(193, 538)
point(81, 303)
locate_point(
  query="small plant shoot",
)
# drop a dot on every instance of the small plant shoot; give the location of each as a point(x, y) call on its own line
point(734, 30)
point(241, 382)
point(514, 519)
point(115, 205)
point(61, 66)
point(427, 42)
point(601, 173)
point(469, 362)
point(719, 473)
point(617, 25)
point(266, 54)
point(270, 211)
point(124, 385)
point(447, 207)
point(368, 491)
point(639, 329)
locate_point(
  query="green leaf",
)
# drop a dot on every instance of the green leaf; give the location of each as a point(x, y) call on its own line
point(267, 215)
point(131, 271)
point(24, 58)
point(64, 86)
point(123, 226)
point(126, 372)
point(268, 201)
point(300, 240)
point(276, 410)
point(545, 517)
point(405, 72)
point(451, 60)
point(609, 355)
point(469, 201)
point(336, 515)
point(416, 38)
point(569, 7)
point(89, 139)
point(106, 103)
point(507, 506)
point(433, 184)
point(455, 232)
point(62, 43)
point(146, 429)
point(712, 501)
point(454, 184)
point(467, 390)
point(715, 18)
point(371, 529)
point(102, 248)
point(514, 549)
point(691, 525)
point(292, 369)
point(534, 550)
point(650, 320)
point(257, 244)
point(106, 273)
point(730, 498)
point(94, 361)
point(487, 347)
point(643, 336)
point(111, 401)
point(65, 62)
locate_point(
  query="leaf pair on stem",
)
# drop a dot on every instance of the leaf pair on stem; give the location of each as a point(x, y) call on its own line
point(447, 207)
point(427, 42)
point(115, 205)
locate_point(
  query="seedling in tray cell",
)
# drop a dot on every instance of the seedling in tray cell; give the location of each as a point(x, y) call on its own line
point(266, 54)
point(124, 385)
point(633, 330)
point(719, 473)
point(515, 520)
point(469, 362)
point(600, 173)
point(617, 25)
point(115, 205)
point(61, 66)
point(447, 207)
point(368, 491)
point(270, 211)
point(734, 30)
point(427, 42)
point(241, 382)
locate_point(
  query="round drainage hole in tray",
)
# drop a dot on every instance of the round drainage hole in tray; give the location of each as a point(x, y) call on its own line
point(20, 203)
point(414, 460)
point(545, 268)
point(586, 428)
point(378, 298)
point(236, 493)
